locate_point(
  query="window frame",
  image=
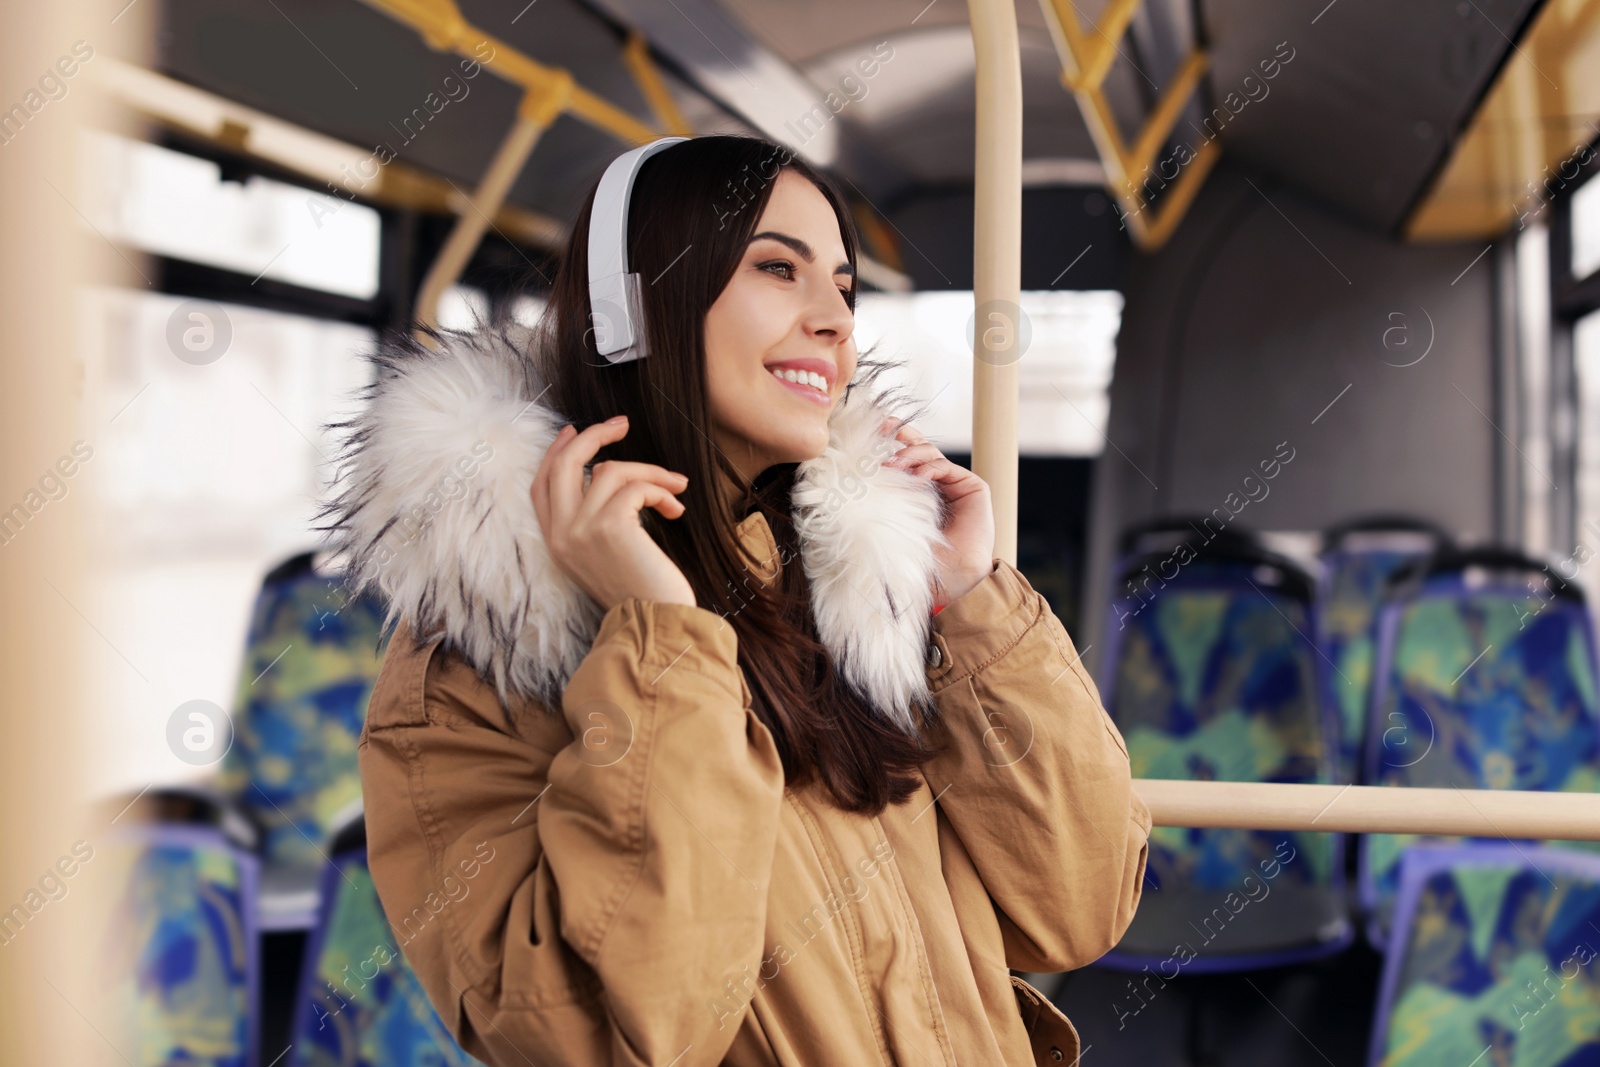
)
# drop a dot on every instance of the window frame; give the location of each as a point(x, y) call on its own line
point(1571, 299)
point(408, 241)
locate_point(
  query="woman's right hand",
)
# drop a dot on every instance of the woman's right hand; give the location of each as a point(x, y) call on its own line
point(594, 533)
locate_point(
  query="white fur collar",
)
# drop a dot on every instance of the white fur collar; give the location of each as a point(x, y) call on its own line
point(433, 508)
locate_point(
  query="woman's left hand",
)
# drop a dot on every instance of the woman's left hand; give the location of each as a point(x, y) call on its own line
point(969, 524)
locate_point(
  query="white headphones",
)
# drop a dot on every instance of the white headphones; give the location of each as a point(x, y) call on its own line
point(616, 302)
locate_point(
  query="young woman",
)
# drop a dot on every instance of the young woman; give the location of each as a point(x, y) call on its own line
point(737, 746)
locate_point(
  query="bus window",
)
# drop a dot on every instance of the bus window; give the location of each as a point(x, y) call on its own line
point(1586, 229)
point(206, 466)
point(1586, 360)
point(174, 204)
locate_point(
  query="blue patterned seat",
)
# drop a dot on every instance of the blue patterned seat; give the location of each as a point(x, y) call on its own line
point(1210, 673)
point(1481, 683)
point(360, 1004)
point(1358, 559)
point(181, 948)
point(311, 658)
point(1494, 960)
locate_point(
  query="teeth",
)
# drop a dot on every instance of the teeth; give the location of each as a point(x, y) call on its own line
point(802, 377)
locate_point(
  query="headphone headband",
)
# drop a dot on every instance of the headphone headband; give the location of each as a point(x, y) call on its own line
point(616, 302)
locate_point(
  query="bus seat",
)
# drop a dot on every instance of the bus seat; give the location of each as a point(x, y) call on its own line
point(1493, 961)
point(1482, 682)
point(182, 945)
point(1358, 558)
point(1210, 673)
point(360, 1004)
point(311, 658)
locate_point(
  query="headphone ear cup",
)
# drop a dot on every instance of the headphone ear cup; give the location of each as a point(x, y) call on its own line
point(606, 318)
point(633, 288)
point(617, 321)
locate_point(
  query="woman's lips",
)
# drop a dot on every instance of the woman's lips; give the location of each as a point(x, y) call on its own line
point(811, 393)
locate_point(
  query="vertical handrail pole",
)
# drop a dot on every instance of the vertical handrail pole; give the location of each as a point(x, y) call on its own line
point(997, 261)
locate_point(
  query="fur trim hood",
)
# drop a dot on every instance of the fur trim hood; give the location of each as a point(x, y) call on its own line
point(432, 507)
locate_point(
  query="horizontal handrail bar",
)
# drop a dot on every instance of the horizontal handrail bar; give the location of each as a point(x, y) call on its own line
point(1499, 813)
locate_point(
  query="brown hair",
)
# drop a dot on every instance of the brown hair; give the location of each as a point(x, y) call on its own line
point(694, 208)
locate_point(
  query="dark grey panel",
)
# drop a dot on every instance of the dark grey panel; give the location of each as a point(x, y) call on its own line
point(1363, 112)
point(1264, 322)
point(1070, 239)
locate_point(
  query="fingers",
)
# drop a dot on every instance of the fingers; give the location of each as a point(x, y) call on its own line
point(916, 448)
point(632, 497)
point(610, 477)
point(912, 455)
point(939, 470)
point(904, 431)
point(566, 507)
point(926, 460)
point(566, 458)
point(540, 490)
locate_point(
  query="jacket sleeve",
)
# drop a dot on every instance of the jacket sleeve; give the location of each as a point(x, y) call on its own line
point(623, 849)
point(1034, 778)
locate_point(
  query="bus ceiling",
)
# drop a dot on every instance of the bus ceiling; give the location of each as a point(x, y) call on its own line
point(1431, 129)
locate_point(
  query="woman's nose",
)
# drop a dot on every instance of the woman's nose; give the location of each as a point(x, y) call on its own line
point(831, 316)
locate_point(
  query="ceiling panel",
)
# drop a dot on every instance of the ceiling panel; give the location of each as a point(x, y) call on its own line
point(1360, 116)
point(346, 70)
point(1363, 111)
point(1526, 141)
point(801, 32)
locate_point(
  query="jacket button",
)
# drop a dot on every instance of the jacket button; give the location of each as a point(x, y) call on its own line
point(1056, 1054)
point(935, 656)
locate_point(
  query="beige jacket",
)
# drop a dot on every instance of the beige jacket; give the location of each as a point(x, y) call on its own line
point(628, 881)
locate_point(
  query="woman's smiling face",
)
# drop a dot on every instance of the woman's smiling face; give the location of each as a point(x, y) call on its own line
point(779, 344)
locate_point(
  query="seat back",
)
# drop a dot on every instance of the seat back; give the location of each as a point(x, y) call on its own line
point(311, 658)
point(1358, 560)
point(1494, 960)
point(1481, 683)
point(1210, 673)
point(360, 1004)
point(181, 947)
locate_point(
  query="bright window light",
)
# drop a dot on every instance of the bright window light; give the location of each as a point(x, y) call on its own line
point(1586, 359)
point(526, 310)
point(1065, 373)
point(1586, 229)
point(206, 470)
point(462, 307)
point(177, 205)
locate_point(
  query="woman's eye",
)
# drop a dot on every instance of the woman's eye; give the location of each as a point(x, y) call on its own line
point(783, 268)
